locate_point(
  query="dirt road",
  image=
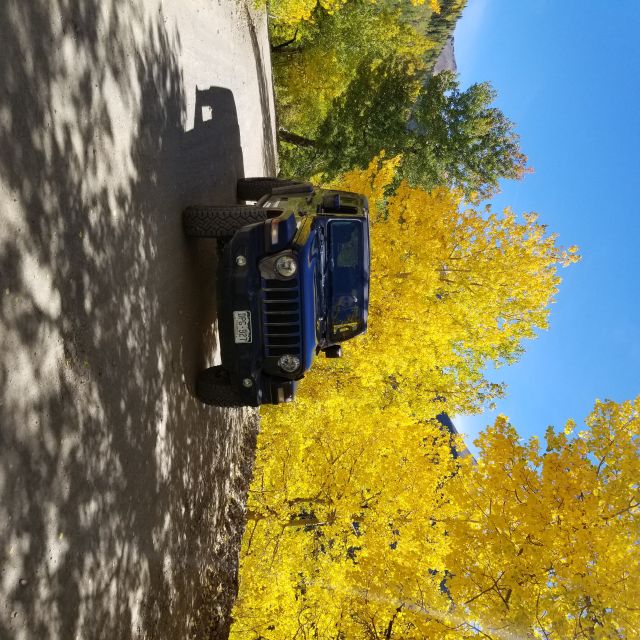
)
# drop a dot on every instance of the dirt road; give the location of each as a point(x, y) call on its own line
point(120, 494)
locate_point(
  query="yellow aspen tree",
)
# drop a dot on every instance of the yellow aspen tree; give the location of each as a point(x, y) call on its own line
point(346, 533)
point(324, 57)
point(546, 541)
point(453, 289)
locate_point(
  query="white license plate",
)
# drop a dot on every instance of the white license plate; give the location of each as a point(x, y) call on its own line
point(242, 326)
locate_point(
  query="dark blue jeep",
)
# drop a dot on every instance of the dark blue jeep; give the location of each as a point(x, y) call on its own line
point(293, 280)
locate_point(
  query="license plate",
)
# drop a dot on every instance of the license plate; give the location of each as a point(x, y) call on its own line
point(242, 326)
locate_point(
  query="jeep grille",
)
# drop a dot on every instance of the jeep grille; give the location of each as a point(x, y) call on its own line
point(281, 317)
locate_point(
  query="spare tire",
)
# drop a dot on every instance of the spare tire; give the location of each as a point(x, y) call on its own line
point(218, 222)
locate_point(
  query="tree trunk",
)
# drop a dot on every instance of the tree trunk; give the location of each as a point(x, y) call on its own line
point(294, 138)
point(389, 630)
point(286, 43)
point(286, 51)
point(310, 520)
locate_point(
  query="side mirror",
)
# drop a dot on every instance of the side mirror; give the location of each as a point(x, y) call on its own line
point(333, 352)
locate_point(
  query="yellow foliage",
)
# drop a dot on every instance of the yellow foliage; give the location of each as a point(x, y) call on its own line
point(318, 68)
point(457, 286)
point(303, 93)
point(294, 11)
point(348, 505)
point(546, 543)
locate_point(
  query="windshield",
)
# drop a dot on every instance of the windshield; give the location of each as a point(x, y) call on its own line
point(346, 279)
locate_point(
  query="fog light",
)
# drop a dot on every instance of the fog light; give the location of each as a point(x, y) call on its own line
point(286, 266)
point(289, 363)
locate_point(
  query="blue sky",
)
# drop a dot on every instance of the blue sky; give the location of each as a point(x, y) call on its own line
point(568, 74)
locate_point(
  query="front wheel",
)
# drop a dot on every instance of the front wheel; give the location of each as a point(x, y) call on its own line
point(220, 222)
point(214, 387)
point(254, 188)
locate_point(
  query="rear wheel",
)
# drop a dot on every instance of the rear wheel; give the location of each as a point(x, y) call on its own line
point(214, 387)
point(220, 222)
point(255, 188)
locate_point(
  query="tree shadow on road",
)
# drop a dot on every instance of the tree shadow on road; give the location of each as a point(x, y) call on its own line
point(121, 496)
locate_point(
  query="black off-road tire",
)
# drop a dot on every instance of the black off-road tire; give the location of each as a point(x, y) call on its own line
point(214, 387)
point(255, 188)
point(217, 222)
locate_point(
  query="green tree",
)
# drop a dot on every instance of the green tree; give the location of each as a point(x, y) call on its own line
point(371, 115)
point(457, 138)
point(446, 136)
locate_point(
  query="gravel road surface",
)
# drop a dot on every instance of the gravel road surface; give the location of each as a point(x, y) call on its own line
point(121, 496)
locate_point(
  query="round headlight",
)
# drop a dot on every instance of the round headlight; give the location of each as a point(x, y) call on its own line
point(289, 363)
point(286, 266)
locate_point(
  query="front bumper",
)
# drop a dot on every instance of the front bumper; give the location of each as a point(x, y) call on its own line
point(239, 289)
